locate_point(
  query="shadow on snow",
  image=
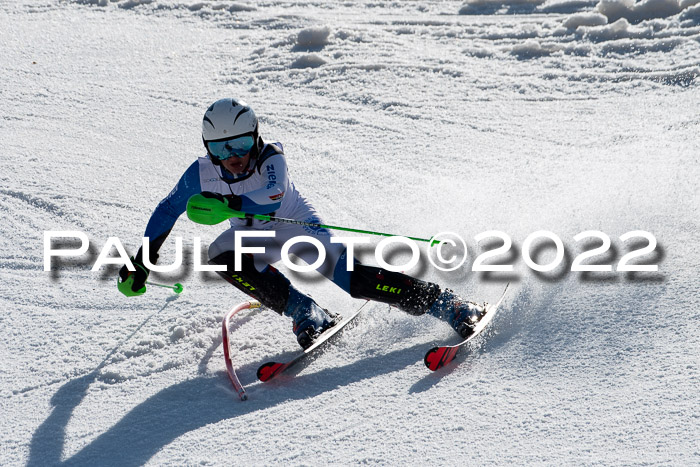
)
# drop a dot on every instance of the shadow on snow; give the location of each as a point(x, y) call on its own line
point(184, 407)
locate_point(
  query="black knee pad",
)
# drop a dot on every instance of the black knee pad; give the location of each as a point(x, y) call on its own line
point(270, 287)
point(409, 294)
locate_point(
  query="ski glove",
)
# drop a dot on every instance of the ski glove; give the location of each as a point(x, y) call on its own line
point(232, 201)
point(133, 283)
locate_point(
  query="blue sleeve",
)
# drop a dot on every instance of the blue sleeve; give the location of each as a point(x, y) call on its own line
point(251, 207)
point(166, 213)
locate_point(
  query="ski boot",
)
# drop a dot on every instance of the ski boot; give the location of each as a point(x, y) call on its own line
point(462, 315)
point(310, 320)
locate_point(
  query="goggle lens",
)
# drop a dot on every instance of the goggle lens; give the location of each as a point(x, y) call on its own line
point(235, 147)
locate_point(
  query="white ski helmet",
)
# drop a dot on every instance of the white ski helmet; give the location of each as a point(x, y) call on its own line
point(232, 125)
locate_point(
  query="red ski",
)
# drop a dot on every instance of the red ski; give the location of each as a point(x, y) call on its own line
point(437, 357)
point(269, 370)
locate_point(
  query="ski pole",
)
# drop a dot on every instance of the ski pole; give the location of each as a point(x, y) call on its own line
point(211, 211)
point(177, 288)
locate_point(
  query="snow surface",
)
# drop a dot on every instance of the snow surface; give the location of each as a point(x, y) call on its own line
point(406, 117)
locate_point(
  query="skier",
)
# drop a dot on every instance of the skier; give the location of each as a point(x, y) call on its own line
point(249, 175)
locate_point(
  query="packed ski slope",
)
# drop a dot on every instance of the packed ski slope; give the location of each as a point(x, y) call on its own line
point(405, 117)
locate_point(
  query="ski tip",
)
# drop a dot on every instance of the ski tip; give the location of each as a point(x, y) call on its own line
point(437, 357)
point(431, 359)
point(269, 370)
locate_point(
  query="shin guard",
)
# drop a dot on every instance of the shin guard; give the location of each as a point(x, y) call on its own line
point(270, 287)
point(411, 295)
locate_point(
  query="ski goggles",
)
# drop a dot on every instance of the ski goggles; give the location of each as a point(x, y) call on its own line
point(232, 147)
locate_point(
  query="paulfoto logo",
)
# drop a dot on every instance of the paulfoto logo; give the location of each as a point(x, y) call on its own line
point(447, 252)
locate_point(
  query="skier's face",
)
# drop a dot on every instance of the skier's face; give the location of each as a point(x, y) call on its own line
point(236, 165)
